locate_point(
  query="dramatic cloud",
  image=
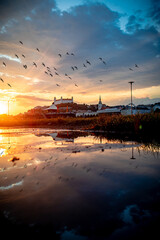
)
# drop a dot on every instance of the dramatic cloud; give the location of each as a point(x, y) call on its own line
point(89, 30)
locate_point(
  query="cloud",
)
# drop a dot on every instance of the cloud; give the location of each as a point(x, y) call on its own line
point(154, 12)
point(10, 58)
point(32, 98)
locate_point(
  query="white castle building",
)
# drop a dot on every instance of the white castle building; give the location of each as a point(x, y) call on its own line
point(62, 100)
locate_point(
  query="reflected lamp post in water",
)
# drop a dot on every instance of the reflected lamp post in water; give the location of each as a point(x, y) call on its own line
point(131, 95)
point(132, 157)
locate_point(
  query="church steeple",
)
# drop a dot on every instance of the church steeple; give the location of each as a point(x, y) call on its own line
point(100, 103)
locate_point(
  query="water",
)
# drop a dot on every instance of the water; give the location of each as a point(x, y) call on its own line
point(75, 185)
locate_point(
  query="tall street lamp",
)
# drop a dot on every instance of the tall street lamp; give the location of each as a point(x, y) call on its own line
point(131, 94)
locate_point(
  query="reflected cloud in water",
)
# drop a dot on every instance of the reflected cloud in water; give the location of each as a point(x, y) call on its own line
point(76, 183)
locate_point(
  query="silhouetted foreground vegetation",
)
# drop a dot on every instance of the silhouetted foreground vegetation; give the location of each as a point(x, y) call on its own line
point(140, 124)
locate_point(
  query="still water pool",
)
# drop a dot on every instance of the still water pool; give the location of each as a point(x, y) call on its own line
point(74, 185)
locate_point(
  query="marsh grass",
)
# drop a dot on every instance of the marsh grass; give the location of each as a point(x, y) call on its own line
point(140, 124)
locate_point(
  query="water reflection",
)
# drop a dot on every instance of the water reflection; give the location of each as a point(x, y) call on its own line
point(76, 185)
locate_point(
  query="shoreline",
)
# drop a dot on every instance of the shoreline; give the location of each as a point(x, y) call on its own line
point(141, 126)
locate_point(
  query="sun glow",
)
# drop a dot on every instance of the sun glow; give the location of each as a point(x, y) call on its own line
point(3, 108)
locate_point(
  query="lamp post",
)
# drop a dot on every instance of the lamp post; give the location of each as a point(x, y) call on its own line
point(8, 107)
point(131, 95)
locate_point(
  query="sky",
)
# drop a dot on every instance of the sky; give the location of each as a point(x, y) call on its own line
point(111, 42)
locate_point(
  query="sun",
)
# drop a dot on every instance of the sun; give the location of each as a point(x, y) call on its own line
point(3, 108)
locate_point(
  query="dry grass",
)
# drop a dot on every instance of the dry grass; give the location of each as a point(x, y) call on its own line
point(138, 124)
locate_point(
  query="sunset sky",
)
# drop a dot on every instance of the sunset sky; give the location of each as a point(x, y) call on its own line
point(122, 33)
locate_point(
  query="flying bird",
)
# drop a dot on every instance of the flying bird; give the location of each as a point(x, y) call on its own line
point(72, 54)
point(76, 67)
point(25, 66)
point(23, 55)
point(84, 65)
point(57, 85)
point(16, 56)
point(60, 55)
point(69, 77)
point(66, 74)
point(100, 58)
point(46, 72)
point(76, 85)
point(131, 69)
point(21, 42)
point(51, 75)
point(1, 79)
point(34, 64)
point(136, 65)
point(55, 68)
point(56, 73)
point(37, 49)
point(104, 62)
point(88, 62)
point(9, 85)
point(4, 64)
point(101, 80)
point(72, 68)
point(43, 64)
point(67, 53)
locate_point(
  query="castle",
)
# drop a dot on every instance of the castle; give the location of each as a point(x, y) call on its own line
point(62, 100)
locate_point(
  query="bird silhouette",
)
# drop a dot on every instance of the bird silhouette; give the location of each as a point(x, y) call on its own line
point(16, 56)
point(56, 73)
point(1, 79)
point(46, 72)
point(9, 85)
point(76, 67)
point(72, 68)
point(76, 85)
point(57, 85)
point(23, 55)
point(43, 64)
point(21, 42)
point(131, 69)
point(84, 65)
point(101, 80)
point(37, 49)
point(55, 68)
point(25, 66)
point(69, 77)
point(100, 58)
point(67, 53)
point(88, 62)
point(72, 54)
point(34, 64)
point(60, 55)
point(51, 75)
point(66, 74)
point(104, 62)
point(4, 64)
point(136, 66)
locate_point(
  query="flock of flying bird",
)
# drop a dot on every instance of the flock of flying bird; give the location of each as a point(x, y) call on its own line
point(48, 71)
